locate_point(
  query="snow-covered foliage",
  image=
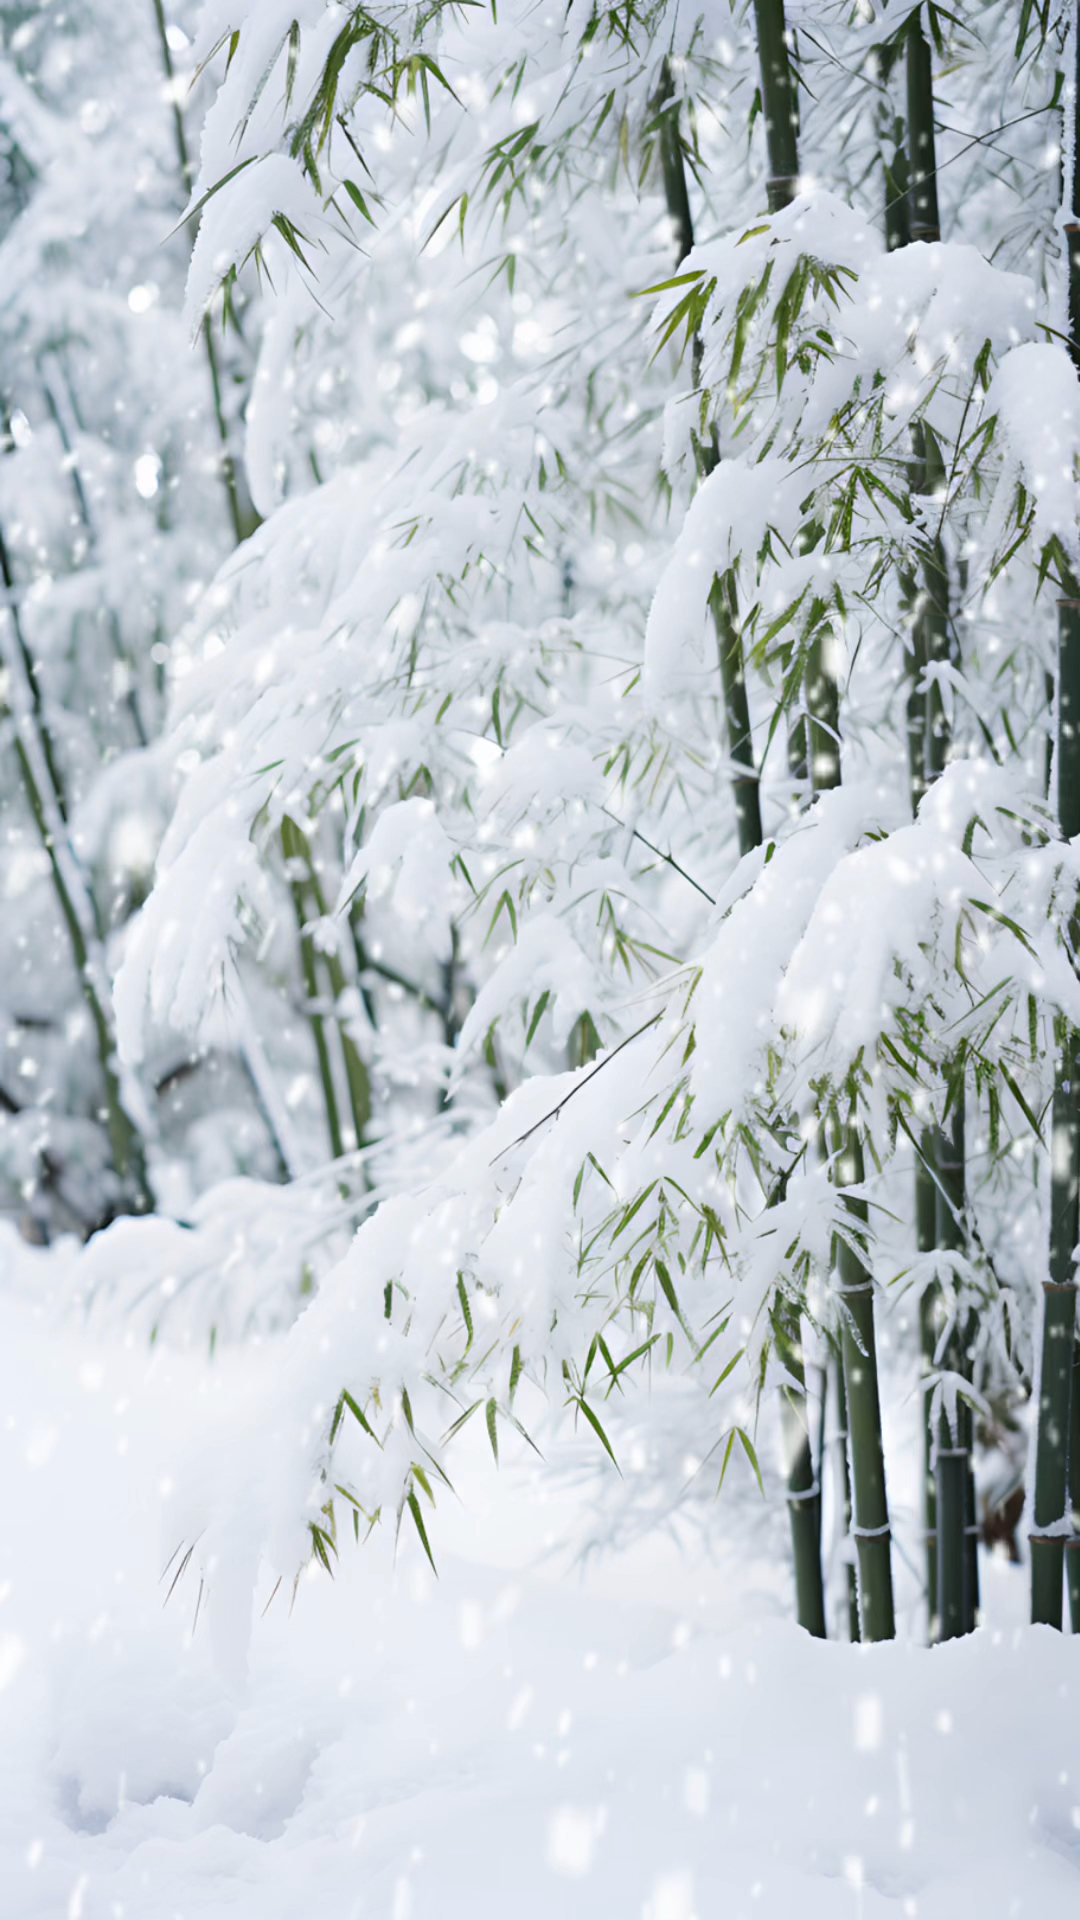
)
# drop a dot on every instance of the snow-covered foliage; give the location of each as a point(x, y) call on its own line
point(452, 865)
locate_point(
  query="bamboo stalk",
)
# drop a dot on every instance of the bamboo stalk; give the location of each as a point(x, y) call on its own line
point(357, 1078)
point(844, 1478)
point(120, 653)
point(803, 1491)
point(665, 108)
point(306, 889)
point(929, 1328)
point(854, 1280)
point(1072, 1547)
point(1059, 1290)
point(957, 1547)
point(1058, 1342)
point(779, 103)
point(952, 1565)
point(241, 512)
point(925, 223)
point(26, 669)
point(855, 1288)
point(745, 785)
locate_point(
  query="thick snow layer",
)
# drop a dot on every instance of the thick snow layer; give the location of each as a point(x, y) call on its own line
point(657, 1741)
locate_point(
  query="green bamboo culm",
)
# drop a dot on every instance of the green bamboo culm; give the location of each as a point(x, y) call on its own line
point(923, 217)
point(779, 103)
point(803, 1491)
point(855, 1288)
point(929, 1330)
point(1072, 1543)
point(1058, 1340)
point(307, 895)
point(1054, 1428)
point(844, 1482)
point(242, 513)
point(1059, 1289)
point(665, 110)
point(744, 779)
point(957, 1546)
point(950, 1508)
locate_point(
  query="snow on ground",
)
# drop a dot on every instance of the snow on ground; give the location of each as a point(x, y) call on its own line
point(656, 1741)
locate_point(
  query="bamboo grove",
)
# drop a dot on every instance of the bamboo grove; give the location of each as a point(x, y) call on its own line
point(640, 768)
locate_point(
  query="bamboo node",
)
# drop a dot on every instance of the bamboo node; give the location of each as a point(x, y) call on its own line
point(872, 1533)
point(806, 1493)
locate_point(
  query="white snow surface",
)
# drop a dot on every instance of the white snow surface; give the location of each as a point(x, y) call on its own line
point(656, 1740)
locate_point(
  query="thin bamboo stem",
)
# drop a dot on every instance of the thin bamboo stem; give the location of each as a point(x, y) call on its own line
point(929, 1329)
point(803, 1493)
point(26, 668)
point(844, 1478)
point(1059, 1290)
point(125, 1144)
point(120, 652)
point(241, 512)
point(1072, 1547)
point(855, 1288)
point(958, 1572)
point(357, 1078)
point(744, 782)
point(665, 108)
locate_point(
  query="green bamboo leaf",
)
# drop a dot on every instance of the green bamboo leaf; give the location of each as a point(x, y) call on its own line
point(668, 1290)
point(489, 1413)
point(579, 1400)
point(748, 1449)
point(466, 1313)
point(537, 1016)
point(1014, 1089)
point(731, 1365)
point(413, 1505)
point(348, 1401)
point(361, 205)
